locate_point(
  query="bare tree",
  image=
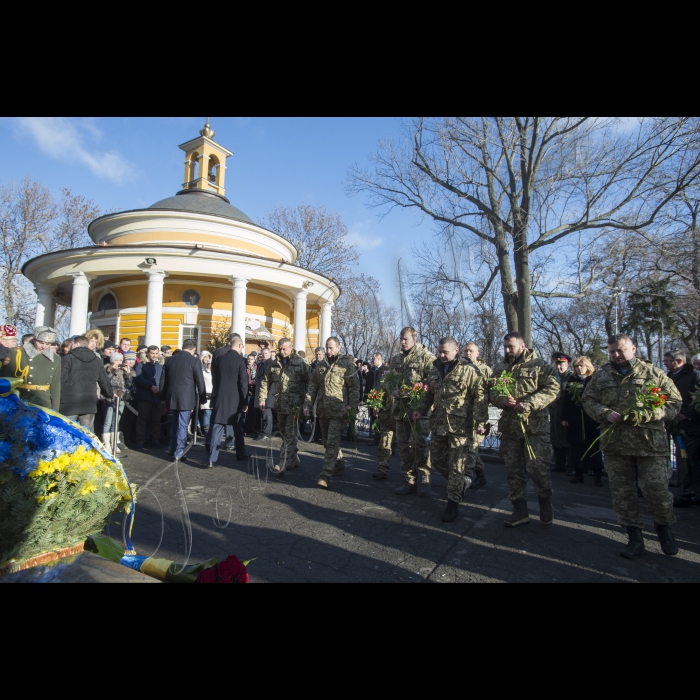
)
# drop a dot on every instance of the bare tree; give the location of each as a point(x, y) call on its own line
point(520, 184)
point(33, 222)
point(319, 237)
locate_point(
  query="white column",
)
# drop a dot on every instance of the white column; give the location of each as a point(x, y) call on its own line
point(238, 305)
point(79, 303)
point(45, 305)
point(326, 323)
point(154, 307)
point(300, 320)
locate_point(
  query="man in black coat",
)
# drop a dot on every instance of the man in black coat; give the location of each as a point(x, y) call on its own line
point(687, 379)
point(265, 413)
point(183, 388)
point(81, 372)
point(228, 399)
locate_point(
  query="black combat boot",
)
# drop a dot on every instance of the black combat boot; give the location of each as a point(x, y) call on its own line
point(450, 514)
point(577, 478)
point(546, 515)
point(666, 539)
point(635, 546)
point(405, 488)
point(479, 480)
point(519, 515)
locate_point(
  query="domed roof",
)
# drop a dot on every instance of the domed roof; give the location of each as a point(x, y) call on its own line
point(202, 203)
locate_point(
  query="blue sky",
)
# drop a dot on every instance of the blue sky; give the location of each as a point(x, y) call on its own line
point(126, 163)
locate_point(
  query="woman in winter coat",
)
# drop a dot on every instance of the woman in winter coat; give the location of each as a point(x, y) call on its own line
point(120, 378)
point(581, 429)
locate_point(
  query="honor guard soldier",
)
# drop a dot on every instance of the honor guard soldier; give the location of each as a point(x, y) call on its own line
point(39, 366)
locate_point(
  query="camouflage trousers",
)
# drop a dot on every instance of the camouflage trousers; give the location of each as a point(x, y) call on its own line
point(386, 435)
point(514, 455)
point(651, 474)
point(449, 454)
point(332, 428)
point(474, 457)
point(414, 452)
point(289, 450)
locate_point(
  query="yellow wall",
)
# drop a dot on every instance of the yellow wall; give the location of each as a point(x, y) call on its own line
point(133, 325)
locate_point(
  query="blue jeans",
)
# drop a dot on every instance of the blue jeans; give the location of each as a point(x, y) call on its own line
point(108, 426)
point(178, 432)
point(204, 417)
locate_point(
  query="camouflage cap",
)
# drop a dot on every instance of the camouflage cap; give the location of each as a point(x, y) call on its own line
point(45, 334)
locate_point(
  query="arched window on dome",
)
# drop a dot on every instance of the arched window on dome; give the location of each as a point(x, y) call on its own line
point(107, 303)
point(214, 170)
point(192, 169)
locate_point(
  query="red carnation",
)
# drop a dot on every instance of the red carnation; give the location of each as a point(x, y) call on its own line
point(239, 574)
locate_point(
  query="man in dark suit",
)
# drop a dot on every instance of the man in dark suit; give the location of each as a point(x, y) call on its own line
point(228, 399)
point(183, 387)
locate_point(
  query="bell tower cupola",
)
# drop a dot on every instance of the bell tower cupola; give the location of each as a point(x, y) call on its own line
point(205, 163)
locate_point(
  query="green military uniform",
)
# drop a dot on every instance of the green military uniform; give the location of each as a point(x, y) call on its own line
point(634, 454)
point(475, 460)
point(290, 379)
point(456, 394)
point(332, 387)
point(41, 372)
point(535, 385)
point(413, 366)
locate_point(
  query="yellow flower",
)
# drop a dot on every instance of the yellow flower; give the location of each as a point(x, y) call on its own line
point(88, 488)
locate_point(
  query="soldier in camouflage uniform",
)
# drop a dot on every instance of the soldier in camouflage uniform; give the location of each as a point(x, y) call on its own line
point(635, 454)
point(413, 364)
point(333, 393)
point(289, 373)
point(533, 387)
point(460, 408)
point(471, 355)
point(40, 368)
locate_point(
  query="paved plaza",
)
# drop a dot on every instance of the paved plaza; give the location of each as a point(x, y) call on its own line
point(360, 531)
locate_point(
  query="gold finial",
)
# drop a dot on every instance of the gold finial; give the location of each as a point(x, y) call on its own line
point(207, 130)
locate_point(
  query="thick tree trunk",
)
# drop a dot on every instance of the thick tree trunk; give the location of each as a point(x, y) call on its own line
point(510, 298)
point(522, 281)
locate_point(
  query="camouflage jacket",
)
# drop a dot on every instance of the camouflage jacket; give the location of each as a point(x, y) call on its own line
point(335, 385)
point(290, 383)
point(481, 368)
point(610, 390)
point(458, 399)
point(413, 366)
point(535, 385)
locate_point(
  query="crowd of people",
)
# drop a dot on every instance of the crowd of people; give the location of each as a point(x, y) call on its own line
point(564, 415)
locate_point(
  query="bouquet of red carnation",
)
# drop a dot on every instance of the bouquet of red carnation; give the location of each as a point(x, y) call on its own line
point(230, 570)
point(375, 400)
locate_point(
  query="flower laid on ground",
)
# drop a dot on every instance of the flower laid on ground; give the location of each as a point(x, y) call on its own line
point(646, 401)
point(57, 483)
point(230, 570)
point(502, 385)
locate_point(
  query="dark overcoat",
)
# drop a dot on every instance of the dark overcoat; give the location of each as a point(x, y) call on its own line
point(229, 388)
point(82, 371)
point(183, 374)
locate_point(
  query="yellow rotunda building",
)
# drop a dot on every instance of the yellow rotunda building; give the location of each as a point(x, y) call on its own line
point(189, 266)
